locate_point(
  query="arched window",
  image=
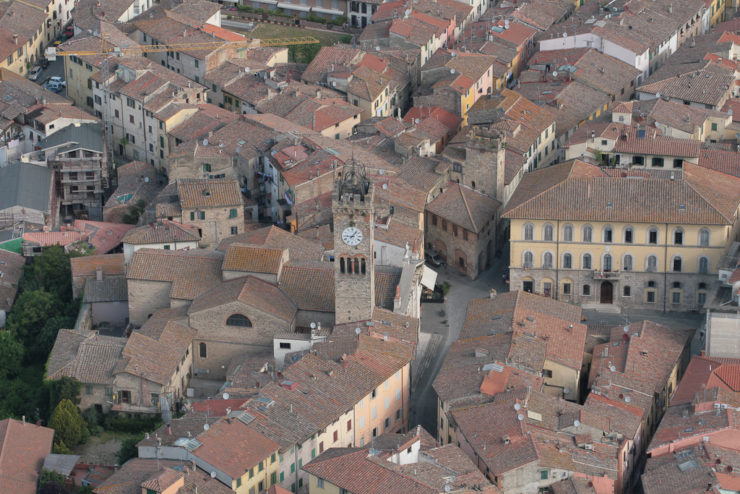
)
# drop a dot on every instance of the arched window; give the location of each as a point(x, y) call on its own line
point(652, 263)
point(678, 236)
point(357, 266)
point(547, 233)
point(587, 233)
point(607, 235)
point(704, 237)
point(652, 235)
point(567, 233)
point(547, 260)
point(627, 263)
point(629, 235)
point(703, 265)
point(341, 265)
point(203, 350)
point(473, 184)
point(362, 264)
point(529, 231)
point(349, 266)
point(677, 264)
point(586, 264)
point(567, 261)
point(239, 320)
point(607, 264)
point(528, 259)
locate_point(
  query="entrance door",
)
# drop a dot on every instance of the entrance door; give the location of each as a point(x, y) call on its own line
point(607, 290)
point(528, 286)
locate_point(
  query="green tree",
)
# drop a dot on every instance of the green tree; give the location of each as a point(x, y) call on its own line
point(51, 272)
point(30, 313)
point(51, 482)
point(128, 449)
point(69, 426)
point(66, 388)
point(11, 354)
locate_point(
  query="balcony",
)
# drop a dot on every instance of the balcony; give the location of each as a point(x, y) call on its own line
point(606, 275)
point(130, 408)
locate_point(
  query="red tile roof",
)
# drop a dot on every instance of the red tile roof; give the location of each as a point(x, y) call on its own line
point(23, 447)
point(222, 33)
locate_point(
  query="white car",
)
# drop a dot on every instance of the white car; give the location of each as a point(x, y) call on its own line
point(34, 73)
point(57, 81)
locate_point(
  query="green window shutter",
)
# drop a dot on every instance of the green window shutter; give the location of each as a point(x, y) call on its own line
point(192, 215)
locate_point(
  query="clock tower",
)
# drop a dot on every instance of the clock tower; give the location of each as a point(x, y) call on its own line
point(354, 222)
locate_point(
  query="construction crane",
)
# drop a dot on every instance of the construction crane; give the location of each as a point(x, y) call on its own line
point(106, 49)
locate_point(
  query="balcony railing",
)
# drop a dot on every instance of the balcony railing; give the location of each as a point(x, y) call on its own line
point(606, 275)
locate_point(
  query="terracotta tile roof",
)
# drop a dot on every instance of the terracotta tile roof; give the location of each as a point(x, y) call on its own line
point(727, 162)
point(128, 478)
point(208, 193)
point(162, 231)
point(273, 237)
point(450, 121)
point(103, 236)
point(295, 278)
point(240, 257)
point(86, 356)
point(489, 424)
point(684, 422)
point(592, 195)
point(707, 373)
point(191, 273)
point(23, 447)
point(630, 142)
point(46, 239)
point(386, 281)
point(464, 207)
point(734, 105)
point(110, 289)
point(110, 264)
point(709, 85)
point(11, 269)
point(356, 470)
point(249, 290)
point(330, 58)
point(424, 174)
point(194, 13)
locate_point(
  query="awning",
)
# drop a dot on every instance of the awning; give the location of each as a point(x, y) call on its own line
point(292, 6)
point(327, 11)
point(428, 277)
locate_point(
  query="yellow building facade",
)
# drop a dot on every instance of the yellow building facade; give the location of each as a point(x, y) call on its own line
point(577, 254)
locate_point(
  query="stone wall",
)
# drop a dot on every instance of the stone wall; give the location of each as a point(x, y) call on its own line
point(476, 252)
point(217, 225)
point(145, 297)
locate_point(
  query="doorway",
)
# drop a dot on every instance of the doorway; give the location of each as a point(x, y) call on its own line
point(607, 292)
point(528, 286)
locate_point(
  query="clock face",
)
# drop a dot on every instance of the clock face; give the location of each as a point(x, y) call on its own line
point(352, 236)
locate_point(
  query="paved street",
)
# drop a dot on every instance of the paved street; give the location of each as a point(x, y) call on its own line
point(447, 319)
point(55, 69)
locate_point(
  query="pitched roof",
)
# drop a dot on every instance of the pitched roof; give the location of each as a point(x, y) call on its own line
point(191, 273)
point(249, 290)
point(464, 207)
point(273, 237)
point(162, 231)
point(84, 355)
point(706, 373)
point(156, 360)
point(320, 297)
point(110, 289)
point(578, 191)
point(25, 185)
point(129, 477)
point(11, 270)
point(727, 162)
point(23, 447)
point(109, 264)
point(248, 259)
point(357, 471)
point(709, 85)
point(208, 193)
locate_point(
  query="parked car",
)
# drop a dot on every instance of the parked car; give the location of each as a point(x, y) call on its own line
point(58, 80)
point(34, 73)
point(433, 258)
point(53, 86)
point(44, 63)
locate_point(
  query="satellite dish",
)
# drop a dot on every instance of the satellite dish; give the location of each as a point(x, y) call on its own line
point(206, 427)
point(358, 331)
point(566, 391)
point(517, 407)
point(313, 325)
point(377, 48)
point(577, 423)
point(448, 488)
point(205, 142)
point(520, 417)
point(612, 368)
point(452, 71)
point(565, 35)
point(555, 73)
point(627, 399)
point(626, 329)
point(226, 396)
point(213, 475)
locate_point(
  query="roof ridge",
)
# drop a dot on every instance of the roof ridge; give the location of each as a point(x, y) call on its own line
point(467, 208)
point(690, 184)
